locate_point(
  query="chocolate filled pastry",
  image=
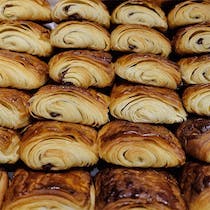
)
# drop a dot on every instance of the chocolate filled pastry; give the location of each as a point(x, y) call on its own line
point(139, 145)
point(138, 38)
point(146, 104)
point(13, 108)
point(195, 186)
point(189, 12)
point(4, 181)
point(75, 34)
point(140, 12)
point(25, 36)
point(82, 68)
point(70, 104)
point(149, 70)
point(21, 70)
point(91, 10)
point(9, 146)
point(195, 70)
point(37, 190)
point(195, 137)
point(58, 145)
point(193, 39)
point(129, 189)
point(36, 10)
point(196, 99)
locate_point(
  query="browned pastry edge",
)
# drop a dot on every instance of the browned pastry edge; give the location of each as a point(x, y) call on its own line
point(4, 181)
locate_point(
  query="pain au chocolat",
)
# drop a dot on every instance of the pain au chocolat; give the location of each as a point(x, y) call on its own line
point(146, 104)
point(82, 68)
point(37, 190)
point(129, 189)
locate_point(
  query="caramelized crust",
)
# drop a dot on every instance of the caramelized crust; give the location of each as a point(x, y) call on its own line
point(4, 181)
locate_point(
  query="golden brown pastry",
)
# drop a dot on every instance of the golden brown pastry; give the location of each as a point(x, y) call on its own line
point(195, 186)
point(195, 137)
point(195, 70)
point(4, 181)
point(189, 12)
point(193, 39)
point(58, 146)
point(141, 12)
point(25, 36)
point(70, 104)
point(36, 10)
point(21, 70)
point(139, 145)
point(196, 99)
point(13, 108)
point(82, 68)
point(36, 190)
point(149, 70)
point(9, 146)
point(146, 104)
point(138, 38)
point(91, 10)
point(75, 34)
point(129, 189)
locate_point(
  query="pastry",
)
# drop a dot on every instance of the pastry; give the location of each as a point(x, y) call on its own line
point(75, 34)
point(13, 108)
point(138, 38)
point(189, 12)
point(139, 145)
point(192, 39)
point(70, 104)
point(149, 70)
point(146, 104)
point(195, 186)
point(37, 190)
point(4, 181)
point(195, 137)
point(21, 70)
point(25, 36)
point(126, 189)
point(140, 12)
point(36, 10)
point(82, 68)
point(196, 99)
point(195, 70)
point(91, 10)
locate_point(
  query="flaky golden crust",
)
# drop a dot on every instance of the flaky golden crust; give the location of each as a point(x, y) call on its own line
point(149, 70)
point(4, 181)
point(192, 39)
point(196, 99)
point(141, 12)
point(13, 108)
point(36, 10)
point(58, 146)
point(138, 103)
point(91, 10)
point(195, 137)
point(25, 36)
point(139, 145)
point(36, 190)
point(82, 68)
point(70, 104)
point(195, 186)
point(126, 189)
point(76, 34)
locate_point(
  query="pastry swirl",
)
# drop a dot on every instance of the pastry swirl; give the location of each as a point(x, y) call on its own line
point(140, 12)
point(138, 38)
point(25, 36)
point(37, 190)
point(4, 181)
point(139, 145)
point(149, 70)
point(145, 104)
point(75, 34)
point(70, 104)
point(82, 68)
point(91, 10)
